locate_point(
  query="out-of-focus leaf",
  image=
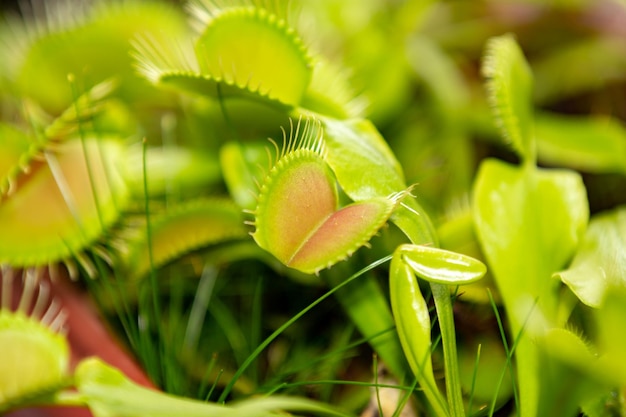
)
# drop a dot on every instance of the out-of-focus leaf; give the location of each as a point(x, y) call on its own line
point(529, 222)
point(509, 91)
point(17, 151)
point(600, 262)
point(64, 204)
point(79, 113)
point(169, 170)
point(90, 42)
point(587, 375)
point(611, 339)
point(109, 393)
point(579, 67)
point(595, 145)
point(481, 364)
point(329, 93)
point(440, 74)
point(242, 165)
point(245, 51)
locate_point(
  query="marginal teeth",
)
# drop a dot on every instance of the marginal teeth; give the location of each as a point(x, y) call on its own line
point(35, 298)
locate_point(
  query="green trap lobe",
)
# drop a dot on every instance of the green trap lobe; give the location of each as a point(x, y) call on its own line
point(254, 50)
point(34, 358)
point(297, 218)
point(341, 234)
point(300, 200)
point(188, 227)
point(62, 205)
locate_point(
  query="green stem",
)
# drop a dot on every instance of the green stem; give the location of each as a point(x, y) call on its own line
point(443, 305)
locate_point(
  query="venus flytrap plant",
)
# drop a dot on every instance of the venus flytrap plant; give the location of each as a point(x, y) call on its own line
point(297, 220)
point(357, 148)
point(152, 213)
point(529, 222)
point(412, 316)
point(596, 277)
point(297, 217)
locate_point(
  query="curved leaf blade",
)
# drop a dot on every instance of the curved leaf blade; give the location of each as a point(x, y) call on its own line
point(599, 265)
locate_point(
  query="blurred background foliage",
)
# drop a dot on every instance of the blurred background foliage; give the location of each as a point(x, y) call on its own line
point(413, 68)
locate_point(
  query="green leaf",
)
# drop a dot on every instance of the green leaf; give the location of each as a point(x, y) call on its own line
point(509, 92)
point(243, 51)
point(611, 339)
point(362, 161)
point(169, 170)
point(224, 47)
point(109, 393)
point(529, 222)
point(592, 62)
point(599, 266)
point(578, 366)
point(35, 359)
point(297, 218)
point(240, 165)
point(440, 74)
point(365, 167)
point(442, 266)
point(591, 144)
point(254, 50)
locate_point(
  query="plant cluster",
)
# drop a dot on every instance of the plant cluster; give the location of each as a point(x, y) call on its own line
point(314, 207)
